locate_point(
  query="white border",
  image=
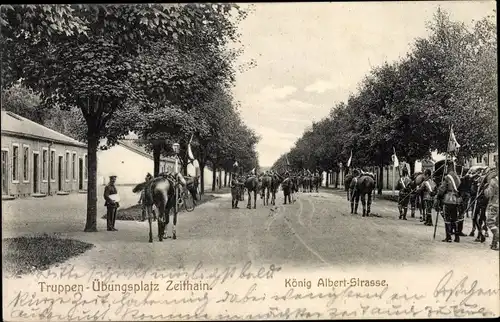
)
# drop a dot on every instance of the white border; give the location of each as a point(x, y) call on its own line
point(12, 162)
point(67, 167)
point(39, 188)
point(7, 166)
point(54, 168)
point(47, 166)
point(27, 165)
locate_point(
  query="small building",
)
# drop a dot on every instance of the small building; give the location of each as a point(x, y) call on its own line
point(129, 161)
point(489, 159)
point(39, 161)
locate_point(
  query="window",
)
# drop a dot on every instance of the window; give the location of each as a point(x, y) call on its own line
point(73, 166)
point(85, 168)
point(15, 162)
point(478, 159)
point(25, 163)
point(44, 164)
point(66, 168)
point(52, 165)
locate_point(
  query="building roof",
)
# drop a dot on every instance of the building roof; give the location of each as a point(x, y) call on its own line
point(16, 125)
point(134, 147)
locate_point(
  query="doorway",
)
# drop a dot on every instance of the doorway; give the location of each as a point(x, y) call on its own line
point(5, 176)
point(60, 173)
point(35, 172)
point(80, 174)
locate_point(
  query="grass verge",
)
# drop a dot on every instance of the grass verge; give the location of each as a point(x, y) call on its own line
point(24, 255)
point(134, 213)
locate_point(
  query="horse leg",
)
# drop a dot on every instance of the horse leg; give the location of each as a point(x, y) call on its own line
point(255, 199)
point(474, 221)
point(363, 203)
point(249, 205)
point(368, 206)
point(479, 225)
point(150, 223)
point(174, 231)
point(160, 221)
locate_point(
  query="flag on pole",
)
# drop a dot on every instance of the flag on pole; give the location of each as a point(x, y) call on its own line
point(349, 161)
point(235, 164)
point(287, 162)
point(395, 158)
point(190, 152)
point(452, 143)
point(253, 171)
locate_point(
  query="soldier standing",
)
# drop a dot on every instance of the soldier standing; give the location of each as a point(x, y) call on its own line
point(491, 192)
point(142, 200)
point(111, 203)
point(404, 194)
point(449, 196)
point(354, 193)
point(428, 188)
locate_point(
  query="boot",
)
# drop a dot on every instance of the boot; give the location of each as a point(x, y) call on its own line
point(368, 210)
point(472, 233)
point(457, 238)
point(447, 229)
point(352, 208)
point(356, 208)
point(364, 212)
point(404, 213)
point(494, 241)
point(400, 212)
point(460, 227)
point(413, 213)
point(428, 222)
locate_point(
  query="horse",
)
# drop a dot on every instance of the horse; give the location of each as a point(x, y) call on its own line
point(252, 185)
point(287, 186)
point(160, 191)
point(265, 187)
point(365, 186)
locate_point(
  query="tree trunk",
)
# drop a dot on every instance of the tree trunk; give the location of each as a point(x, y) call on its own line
point(337, 174)
point(214, 178)
point(326, 178)
point(202, 177)
point(92, 144)
point(412, 165)
point(225, 178)
point(220, 179)
point(156, 160)
point(381, 179)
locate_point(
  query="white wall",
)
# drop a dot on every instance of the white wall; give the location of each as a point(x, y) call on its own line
point(130, 167)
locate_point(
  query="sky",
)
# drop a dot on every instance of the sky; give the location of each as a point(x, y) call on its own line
point(311, 56)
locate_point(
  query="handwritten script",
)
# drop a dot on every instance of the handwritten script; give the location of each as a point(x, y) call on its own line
point(233, 293)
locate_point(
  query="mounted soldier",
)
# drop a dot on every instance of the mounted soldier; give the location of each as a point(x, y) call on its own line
point(428, 190)
point(449, 196)
point(404, 188)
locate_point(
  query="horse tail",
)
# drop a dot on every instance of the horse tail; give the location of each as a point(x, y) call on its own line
point(139, 187)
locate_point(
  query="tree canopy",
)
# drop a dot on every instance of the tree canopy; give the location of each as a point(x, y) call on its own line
point(448, 79)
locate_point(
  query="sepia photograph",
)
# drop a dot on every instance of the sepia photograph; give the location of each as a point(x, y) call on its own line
point(249, 161)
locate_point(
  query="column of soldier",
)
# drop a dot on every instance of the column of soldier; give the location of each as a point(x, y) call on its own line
point(476, 192)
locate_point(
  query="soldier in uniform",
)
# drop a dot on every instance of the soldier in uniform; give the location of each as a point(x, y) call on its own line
point(491, 192)
point(428, 188)
point(404, 194)
point(142, 200)
point(110, 204)
point(448, 195)
point(354, 193)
